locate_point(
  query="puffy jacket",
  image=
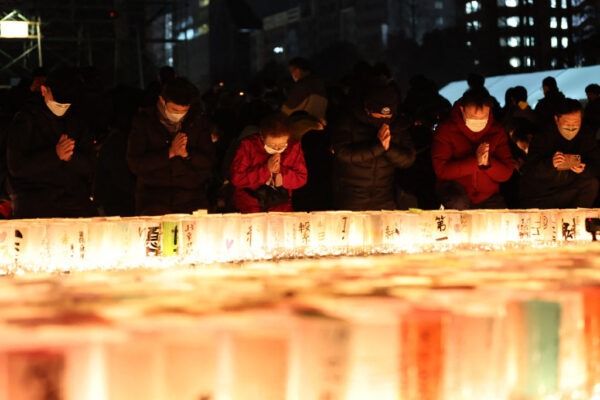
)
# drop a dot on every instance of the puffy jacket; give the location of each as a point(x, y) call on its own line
point(170, 185)
point(364, 172)
point(453, 156)
point(37, 172)
point(539, 175)
point(249, 171)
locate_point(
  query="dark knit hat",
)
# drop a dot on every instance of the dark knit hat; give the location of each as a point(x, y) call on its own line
point(64, 84)
point(382, 100)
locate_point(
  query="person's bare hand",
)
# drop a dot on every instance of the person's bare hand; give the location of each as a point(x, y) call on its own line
point(558, 159)
point(65, 148)
point(179, 146)
point(384, 135)
point(579, 169)
point(278, 180)
point(274, 163)
point(483, 154)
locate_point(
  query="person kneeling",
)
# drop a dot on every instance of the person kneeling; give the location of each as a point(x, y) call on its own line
point(562, 163)
point(267, 167)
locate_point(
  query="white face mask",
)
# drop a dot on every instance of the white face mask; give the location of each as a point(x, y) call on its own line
point(58, 109)
point(476, 125)
point(568, 132)
point(174, 117)
point(272, 151)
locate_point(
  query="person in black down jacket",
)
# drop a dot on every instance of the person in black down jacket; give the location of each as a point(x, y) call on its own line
point(547, 184)
point(546, 108)
point(171, 153)
point(50, 155)
point(369, 144)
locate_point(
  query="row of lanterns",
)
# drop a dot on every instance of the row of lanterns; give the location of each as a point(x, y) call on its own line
point(80, 244)
point(454, 345)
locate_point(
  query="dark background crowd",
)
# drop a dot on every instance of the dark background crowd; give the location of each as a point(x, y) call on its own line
point(71, 147)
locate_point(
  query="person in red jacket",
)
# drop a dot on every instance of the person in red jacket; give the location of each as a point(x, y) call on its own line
point(471, 155)
point(267, 167)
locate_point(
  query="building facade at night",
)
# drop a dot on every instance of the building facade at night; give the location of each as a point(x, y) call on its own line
point(305, 27)
point(520, 35)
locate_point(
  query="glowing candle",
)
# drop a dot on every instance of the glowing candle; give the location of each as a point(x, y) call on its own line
point(536, 329)
point(591, 298)
point(422, 349)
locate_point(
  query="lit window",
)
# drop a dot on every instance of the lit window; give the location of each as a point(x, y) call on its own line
point(565, 42)
point(564, 24)
point(472, 6)
point(528, 61)
point(553, 3)
point(514, 41)
point(278, 50)
point(204, 29)
point(553, 23)
point(512, 21)
point(439, 5)
point(473, 26)
point(502, 42)
point(439, 21)
point(515, 62)
point(554, 63)
point(476, 62)
point(501, 22)
point(511, 3)
point(204, 3)
point(527, 41)
point(530, 21)
point(554, 41)
point(469, 43)
point(563, 4)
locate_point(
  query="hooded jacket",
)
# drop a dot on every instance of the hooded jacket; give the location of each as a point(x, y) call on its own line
point(249, 170)
point(453, 156)
point(364, 172)
point(170, 185)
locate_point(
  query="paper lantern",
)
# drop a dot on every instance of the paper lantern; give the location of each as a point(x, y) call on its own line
point(7, 246)
point(373, 232)
point(476, 337)
point(570, 226)
point(30, 246)
point(422, 353)
point(223, 238)
point(318, 363)
point(393, 226)
point(253, 231)
point(591, 298)
point(188, 238)
point(318, 230)
point(535, 329)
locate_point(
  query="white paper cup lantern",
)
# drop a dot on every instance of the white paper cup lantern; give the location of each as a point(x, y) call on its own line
point(391, 231)
point(476, 337)
point(228, 246)
point(373, 232)
point(569, 226)
point(7, 246)
point(319, 353)
point(319, 238)
point(30, 246)
point(188, 238)
point(303, 231)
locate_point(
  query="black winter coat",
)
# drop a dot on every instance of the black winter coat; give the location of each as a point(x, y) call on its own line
point(540, 177)
point(170, 185)
point(363, 173)
point(41, 184)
